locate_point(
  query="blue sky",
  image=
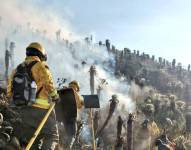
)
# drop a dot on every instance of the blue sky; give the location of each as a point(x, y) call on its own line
point(160, 27)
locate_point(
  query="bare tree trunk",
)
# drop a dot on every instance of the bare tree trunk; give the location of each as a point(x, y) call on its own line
point(130, 132)
point(119, 143)
point(113, 105)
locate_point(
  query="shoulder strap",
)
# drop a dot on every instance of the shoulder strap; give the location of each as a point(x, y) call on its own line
point(29, 69)
point(20, 68)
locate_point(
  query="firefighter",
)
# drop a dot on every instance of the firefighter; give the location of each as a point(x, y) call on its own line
point(71, 124)
point(32, 115)
point(76, 87)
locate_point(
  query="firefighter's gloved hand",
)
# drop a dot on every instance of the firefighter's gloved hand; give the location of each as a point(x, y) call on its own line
point(56, 99)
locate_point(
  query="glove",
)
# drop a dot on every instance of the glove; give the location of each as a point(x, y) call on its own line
point(56, 99)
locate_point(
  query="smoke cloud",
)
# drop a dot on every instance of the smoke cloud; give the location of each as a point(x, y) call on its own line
point(24, 22)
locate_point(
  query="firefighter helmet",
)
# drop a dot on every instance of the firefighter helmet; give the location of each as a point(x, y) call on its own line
point(76, 84)
point(36, 49)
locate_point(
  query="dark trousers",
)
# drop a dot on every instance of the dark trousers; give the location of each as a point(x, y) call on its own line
point(70, 126)
point(31, 118)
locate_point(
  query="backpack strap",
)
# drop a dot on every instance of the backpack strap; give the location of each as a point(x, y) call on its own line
point(21, 68)
point(29, 69)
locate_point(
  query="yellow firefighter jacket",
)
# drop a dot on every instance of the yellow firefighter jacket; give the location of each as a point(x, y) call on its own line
point(79, 99)
point(44, 81)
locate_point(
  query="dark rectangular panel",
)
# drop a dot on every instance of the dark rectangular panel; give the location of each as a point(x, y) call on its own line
point(91, 101)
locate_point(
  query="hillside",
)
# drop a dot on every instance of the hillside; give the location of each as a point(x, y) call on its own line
point(144, 86)
point(168, 77)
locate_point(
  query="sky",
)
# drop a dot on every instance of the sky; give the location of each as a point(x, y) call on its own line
point(158, 27)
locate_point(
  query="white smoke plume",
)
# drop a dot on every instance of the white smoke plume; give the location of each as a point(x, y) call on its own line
point(23, 22)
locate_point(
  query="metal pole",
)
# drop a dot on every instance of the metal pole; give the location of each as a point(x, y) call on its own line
point(92, 73)
point(40, 127)
point(92, 128)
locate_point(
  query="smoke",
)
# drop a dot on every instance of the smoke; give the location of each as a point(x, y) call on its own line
point(17, 13)
point(28, 22)
point(24, 22)
point(139, 94)
point(21, 22)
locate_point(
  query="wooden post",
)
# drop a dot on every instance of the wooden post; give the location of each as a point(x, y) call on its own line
point(92, 128)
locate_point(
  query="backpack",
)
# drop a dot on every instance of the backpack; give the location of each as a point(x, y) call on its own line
point(21, 84)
